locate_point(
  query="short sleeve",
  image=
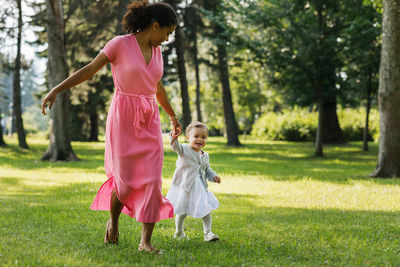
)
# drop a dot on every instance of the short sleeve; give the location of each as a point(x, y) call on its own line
point(111, 48)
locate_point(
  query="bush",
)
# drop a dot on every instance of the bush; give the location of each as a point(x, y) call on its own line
point(291, 125)
point(352, 122)
point(299, 124)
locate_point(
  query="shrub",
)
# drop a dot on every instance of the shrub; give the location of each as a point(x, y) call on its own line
point(291, 125)
point(299, 124)
point(352, 122)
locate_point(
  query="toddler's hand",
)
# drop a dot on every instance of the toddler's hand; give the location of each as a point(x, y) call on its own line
point(217, 179)
point(173, 135)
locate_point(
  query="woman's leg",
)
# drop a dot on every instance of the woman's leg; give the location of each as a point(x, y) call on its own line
point(147, 231)
point(115, 209)
point(112, 225)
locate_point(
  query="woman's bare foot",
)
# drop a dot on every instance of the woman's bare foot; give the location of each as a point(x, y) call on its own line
point(149, 249)
point(112, 234)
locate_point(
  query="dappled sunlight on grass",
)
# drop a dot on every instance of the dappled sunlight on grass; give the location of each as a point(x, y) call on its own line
point(307, 193)
point(279, 205)
point(291, 233)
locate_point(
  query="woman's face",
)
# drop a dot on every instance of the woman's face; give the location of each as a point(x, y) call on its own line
point(161, 34)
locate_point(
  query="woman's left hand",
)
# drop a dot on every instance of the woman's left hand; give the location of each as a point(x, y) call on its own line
point(176, 128)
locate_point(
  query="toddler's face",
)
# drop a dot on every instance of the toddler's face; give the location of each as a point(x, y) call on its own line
point(197, 138)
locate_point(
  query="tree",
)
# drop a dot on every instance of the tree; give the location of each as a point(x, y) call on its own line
point(87, 29)
point(249, 89)
point(179, 45)
point(86, 35)
point(389, 93)
point(192, 24)
point(17, 85)
point(322, 110)
point(222, 35)
point(6, 88)
point(2, 143)
point(298, 42)
point(60, 145)
point(360, 48)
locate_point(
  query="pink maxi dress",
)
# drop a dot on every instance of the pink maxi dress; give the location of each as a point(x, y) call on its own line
point(133, 147)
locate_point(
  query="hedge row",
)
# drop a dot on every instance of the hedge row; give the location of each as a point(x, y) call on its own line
point(299, 124)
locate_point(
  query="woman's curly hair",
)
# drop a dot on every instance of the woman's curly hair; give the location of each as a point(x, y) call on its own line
point(141, 14)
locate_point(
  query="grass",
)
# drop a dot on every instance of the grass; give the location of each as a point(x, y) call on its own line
point(279, 206)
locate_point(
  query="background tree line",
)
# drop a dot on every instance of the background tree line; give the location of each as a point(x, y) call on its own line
point(232, 62)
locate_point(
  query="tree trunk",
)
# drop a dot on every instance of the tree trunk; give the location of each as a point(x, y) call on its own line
point(60, 143)
point(121, 9)
point(232, 129)
point(180, 54)
point(389, 93)
point(12, 128)
point(2, 143)
point(367, 109)
point(320, 128)
point(94, 126)
point(332, 132)
point(318, 137)
point(193, 20)
point(197, 73)
point(17, 87)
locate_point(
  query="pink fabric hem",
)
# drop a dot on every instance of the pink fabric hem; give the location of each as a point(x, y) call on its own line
point(146, 204)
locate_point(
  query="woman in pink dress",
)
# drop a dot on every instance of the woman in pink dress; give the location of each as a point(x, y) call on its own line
point(133, 146)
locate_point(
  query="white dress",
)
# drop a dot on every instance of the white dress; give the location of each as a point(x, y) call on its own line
point(188, 193)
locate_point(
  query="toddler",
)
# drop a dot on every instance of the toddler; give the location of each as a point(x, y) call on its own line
point(188, 193)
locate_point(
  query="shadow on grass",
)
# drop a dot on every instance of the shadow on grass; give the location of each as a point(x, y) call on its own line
point(280, 161)
point(58, 221)
point(92, 157)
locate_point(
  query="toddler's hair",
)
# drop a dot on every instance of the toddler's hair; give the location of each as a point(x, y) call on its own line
point(195, 124)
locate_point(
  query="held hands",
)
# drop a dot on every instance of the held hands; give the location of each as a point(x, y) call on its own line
point(217, 179)
point(176, 128)
point(171, 133)
point(51, 98)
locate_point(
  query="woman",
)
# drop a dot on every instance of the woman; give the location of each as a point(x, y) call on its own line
point(133, 146)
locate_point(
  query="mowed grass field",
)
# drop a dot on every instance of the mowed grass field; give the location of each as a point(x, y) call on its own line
point(279, 206)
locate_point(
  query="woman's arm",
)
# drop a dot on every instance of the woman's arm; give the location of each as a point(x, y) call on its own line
point(163, 100)
point(76, 78)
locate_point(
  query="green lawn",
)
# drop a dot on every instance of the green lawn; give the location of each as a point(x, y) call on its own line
point(279, 206)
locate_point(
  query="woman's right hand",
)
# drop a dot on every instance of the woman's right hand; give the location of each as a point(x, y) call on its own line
point(76, 78)
point(49, 98)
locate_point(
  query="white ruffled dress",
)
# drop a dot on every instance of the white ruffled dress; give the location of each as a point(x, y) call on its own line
point(188, 193)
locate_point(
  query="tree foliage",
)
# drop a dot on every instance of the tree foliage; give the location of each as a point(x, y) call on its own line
point(277, 54)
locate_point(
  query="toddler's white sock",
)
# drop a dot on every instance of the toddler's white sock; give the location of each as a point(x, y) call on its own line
point(207, 223)
point(179, 220)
